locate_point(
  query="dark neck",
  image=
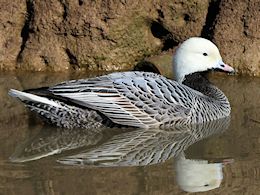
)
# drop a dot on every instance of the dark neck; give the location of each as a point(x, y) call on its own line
point(198, 81)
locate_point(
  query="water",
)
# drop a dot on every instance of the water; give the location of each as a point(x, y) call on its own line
point(234, 145)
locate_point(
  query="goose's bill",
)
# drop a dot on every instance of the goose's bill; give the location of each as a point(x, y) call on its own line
point(221, 66)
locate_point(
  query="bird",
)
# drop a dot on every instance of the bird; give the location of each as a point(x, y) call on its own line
point(138, 99)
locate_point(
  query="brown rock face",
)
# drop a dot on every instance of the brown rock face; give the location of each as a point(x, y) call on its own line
point(12, 17)
point(87, 34)
point(99, 35)
point(237, 34)
point(115, 35)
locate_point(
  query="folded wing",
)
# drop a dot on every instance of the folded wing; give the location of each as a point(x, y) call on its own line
point(131, 98)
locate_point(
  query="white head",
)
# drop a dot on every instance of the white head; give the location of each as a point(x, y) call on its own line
point(197, 55)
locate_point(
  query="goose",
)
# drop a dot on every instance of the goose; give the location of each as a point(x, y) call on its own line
point(138, 99)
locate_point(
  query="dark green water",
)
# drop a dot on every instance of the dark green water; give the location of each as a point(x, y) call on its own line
point(23, 137)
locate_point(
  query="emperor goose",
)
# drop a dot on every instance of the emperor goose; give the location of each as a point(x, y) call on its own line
point(138, 99)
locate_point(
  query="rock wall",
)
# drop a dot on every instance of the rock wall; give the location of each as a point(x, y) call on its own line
point(12, 17)
point(237, 32)
point(115, 35)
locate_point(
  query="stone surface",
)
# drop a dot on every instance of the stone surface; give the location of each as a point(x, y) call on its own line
point(12, 19)
point(116, 35)
point(99, 35)
point(237, 34)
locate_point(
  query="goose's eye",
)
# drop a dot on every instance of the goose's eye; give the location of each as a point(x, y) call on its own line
point(205, 54)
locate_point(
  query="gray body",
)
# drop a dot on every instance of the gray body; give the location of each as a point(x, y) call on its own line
point(136, 99)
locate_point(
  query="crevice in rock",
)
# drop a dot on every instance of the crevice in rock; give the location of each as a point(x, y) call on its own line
point(45, 60)
point(187, 17)
point(160, 32)
point(26, 30)
point(65, 9)
point(244, 19)
point(72, 59)
point(146, 66)
point(160, 13)
point(81, 2)
point(209, 27)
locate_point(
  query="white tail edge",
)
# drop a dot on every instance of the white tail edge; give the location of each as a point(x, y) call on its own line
point(23, 96)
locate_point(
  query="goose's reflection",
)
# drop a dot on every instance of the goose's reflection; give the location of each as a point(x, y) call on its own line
point(50, 141)
point(136, 147)
point(146, 147)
